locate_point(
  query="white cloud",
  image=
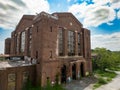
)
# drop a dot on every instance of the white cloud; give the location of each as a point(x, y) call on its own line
point(78, 9)
point(115, 4)
point(100, 2)
point(36, 5)
point(118, 14)
point(11, 11)
point(99, 15)
point(94, 14)
point(109, 41)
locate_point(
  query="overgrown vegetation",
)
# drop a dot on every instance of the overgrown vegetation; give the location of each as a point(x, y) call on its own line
point(2, 58)
point(103, 77)
point(104, 64)
point(56, 86)
point(106, 59)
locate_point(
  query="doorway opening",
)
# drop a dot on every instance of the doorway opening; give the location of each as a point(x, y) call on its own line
point(63, 74)
point(74, 71)
point(82, 70)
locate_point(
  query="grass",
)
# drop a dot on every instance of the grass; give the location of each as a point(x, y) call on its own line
point(103, 78)
point(96, 85)
point(48, 87)
point(2, 59)
point(106, 74)
point(117, 68)
point(56, 86)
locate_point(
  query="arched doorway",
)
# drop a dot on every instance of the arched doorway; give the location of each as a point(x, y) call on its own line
point(74, 71)
point(63, 74)
point(82, 69)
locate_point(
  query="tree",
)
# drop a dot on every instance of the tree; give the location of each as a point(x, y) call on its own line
point(106, 58)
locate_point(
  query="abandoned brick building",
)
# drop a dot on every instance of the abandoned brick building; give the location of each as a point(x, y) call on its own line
point(59, 44)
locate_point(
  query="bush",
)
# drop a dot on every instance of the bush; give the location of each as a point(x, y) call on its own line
point(96, 86)
point(109, 79)
point(29, 86)
point(102, 81)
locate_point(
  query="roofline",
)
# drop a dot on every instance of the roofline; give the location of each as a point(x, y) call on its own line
point(27, 17)
point(69, 13)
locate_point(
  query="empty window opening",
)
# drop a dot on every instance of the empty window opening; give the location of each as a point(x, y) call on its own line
point(51, 29)
point(37, 28)
point(51, 54)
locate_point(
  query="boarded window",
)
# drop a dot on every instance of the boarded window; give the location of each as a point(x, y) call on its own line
point(11, 81)
point(25, 78)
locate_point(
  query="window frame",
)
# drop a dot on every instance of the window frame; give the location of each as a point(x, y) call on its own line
point(60, 41)
point(71, 43)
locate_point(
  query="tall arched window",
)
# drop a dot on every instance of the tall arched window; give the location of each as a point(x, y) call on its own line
point(79, 44)
point(17, 43)
point(61, 52)
point(29, 41)
point(71, 43)
point(22, 42)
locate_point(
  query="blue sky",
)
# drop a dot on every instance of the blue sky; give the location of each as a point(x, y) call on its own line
point(101, 17)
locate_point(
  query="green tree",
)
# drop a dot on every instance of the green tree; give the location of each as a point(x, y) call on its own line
point(105, 58)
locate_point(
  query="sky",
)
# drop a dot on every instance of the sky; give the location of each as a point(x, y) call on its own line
point(101, 17)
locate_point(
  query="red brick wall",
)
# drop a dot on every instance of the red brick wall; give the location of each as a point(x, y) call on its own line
point(7, 45)
point(19, 76)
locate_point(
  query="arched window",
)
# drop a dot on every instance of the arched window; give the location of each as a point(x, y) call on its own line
point(79, 44)
point(60, 37)
point(29, 41)
point(71, 43)
point(22, 42)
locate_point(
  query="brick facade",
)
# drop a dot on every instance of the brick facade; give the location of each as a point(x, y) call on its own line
point(7, 45)
point(18, 71)
point(42, 43)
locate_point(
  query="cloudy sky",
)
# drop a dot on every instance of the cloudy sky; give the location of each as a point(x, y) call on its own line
point(102, 17)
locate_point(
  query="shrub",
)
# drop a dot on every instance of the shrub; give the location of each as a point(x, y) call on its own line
point(102, 81)
point(109, 79)
point(96, 86)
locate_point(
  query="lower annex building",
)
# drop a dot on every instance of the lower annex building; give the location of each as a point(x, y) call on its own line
point(57, 43)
